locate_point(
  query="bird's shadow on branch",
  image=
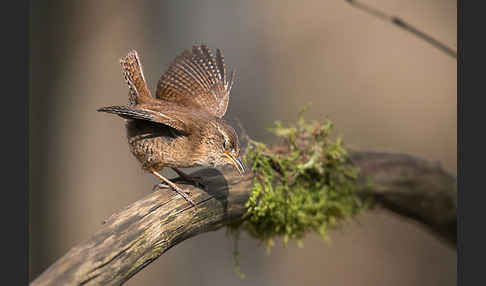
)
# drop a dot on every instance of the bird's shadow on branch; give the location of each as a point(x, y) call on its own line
point(215, 185)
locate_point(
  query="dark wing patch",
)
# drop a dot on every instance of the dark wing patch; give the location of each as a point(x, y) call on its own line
point(133, 73)
point(130, 112)
point(197, 77)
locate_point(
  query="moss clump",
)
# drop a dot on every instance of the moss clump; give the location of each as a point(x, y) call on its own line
point(306, 184)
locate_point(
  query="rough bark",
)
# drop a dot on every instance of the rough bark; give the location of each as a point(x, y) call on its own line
point(134, 237)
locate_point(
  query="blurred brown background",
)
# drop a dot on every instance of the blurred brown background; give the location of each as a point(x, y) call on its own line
point(384, 88)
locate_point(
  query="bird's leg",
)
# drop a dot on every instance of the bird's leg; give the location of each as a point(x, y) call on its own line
point(198, 181)
point(176, 188)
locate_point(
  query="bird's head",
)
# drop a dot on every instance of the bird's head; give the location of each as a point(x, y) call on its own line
point(224, 146)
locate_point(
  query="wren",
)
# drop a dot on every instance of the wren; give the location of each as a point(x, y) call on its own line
point(182, 125)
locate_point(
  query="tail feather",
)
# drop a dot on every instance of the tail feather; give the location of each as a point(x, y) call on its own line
point(133, 73)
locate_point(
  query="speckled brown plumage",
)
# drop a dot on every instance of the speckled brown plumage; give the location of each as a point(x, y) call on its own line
point(182, 125)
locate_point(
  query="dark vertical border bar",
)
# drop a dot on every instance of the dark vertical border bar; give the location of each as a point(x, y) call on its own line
point(459, 144)
point(25, 265)
point(14, 140)
point(471, 144)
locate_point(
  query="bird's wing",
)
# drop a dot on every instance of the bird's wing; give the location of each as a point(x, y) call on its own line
point(197, 78)
point(169, 118)
point(133, 73)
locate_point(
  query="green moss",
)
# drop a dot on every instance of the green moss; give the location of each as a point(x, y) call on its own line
point(307, 185)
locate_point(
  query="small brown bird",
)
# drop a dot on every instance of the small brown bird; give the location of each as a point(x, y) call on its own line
point(181, 126)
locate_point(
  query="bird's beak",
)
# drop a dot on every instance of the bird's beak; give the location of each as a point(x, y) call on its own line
point(236, 162)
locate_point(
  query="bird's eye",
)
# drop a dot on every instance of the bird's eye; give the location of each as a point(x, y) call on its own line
point(226, 145)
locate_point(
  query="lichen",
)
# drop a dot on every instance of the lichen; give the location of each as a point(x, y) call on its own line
point(306, 184)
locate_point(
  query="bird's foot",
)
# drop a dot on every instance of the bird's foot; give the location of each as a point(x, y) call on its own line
point(184, 193)
point(166, 182)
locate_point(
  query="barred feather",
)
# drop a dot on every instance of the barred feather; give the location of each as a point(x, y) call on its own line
point(198, 77)
point(130, 112)
point(133, 73)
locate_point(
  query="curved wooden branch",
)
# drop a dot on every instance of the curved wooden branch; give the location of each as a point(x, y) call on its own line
point(134, 237)
point(411, 187)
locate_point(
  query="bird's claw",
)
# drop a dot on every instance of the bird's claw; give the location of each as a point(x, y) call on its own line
point(160, 185)
point(184, 193)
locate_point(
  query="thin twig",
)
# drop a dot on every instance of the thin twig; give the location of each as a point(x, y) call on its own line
point(404, 25)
